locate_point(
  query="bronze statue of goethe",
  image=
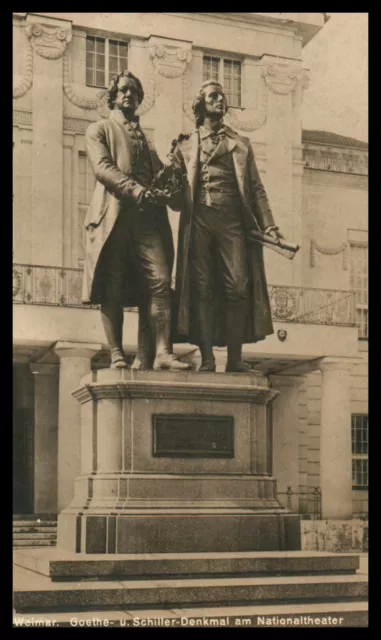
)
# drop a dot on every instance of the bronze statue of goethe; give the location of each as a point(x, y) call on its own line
point(129, 245)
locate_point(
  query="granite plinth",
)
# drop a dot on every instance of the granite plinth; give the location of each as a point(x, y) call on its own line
point(63, 565)
point(40, 594)
point(176, 531)
point(130, 500)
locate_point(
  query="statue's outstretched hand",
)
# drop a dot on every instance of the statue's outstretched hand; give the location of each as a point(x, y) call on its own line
point(151, 198)
point(275, 233)
point(160, 197)
point(146, 199)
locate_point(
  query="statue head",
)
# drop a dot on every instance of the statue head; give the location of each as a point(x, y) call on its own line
point(125, 92)
point(210, 101)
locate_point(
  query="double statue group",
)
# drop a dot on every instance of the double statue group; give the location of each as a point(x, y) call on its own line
point(220, 297)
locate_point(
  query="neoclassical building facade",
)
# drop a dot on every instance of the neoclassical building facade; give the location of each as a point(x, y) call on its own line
point(317, 185)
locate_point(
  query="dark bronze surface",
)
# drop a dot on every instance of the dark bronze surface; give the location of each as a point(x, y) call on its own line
point(193, 436)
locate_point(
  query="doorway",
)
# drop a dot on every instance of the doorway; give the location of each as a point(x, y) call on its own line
point(23, 436)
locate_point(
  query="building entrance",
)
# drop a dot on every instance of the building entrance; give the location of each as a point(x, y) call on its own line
point(23, 454)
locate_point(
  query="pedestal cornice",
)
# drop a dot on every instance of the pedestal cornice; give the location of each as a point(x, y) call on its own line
point(174, 390)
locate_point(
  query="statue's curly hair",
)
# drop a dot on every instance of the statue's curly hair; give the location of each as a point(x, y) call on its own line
point(113, 88)
point(198, 106)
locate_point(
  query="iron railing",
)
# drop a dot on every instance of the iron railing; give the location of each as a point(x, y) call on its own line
point(309, 503)
point(62, 287)
point(312, 306)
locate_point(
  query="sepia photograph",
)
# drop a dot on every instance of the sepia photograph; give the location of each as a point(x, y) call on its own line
point(190, 320)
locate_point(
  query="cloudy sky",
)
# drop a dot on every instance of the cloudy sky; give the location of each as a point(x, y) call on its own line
point(337, 98)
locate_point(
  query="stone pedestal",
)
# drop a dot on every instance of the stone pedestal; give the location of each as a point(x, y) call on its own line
point(175, 462)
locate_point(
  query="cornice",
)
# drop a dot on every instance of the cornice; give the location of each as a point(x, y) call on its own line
point(174, 391)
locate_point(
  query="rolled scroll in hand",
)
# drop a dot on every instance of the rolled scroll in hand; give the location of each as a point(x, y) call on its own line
point(281, 246)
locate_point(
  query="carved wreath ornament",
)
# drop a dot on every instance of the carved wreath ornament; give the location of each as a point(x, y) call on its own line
point(48, 42)
point(283, 303)
point(315, 247)
point(279, 79)
point(100, 101)
point(170, 61)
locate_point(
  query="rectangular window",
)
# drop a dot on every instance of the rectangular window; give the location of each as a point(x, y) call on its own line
point(360, 438)
point(359, 283)
point(228, 73)
point(104, 59)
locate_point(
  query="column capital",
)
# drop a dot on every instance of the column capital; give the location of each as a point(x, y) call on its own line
point(279, 380)
point(44, 369)
point(76, 349)
point(334, 364)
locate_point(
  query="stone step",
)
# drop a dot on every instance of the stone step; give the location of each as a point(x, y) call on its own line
point(33, 517)
point(58, 564)
point(34, 542)
point(51, 524)
point(345, 614)
point(34, 530)
point(35, 592)
point(37, 535)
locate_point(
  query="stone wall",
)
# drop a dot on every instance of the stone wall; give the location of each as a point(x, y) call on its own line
point(51, 53)
point(334, 535)
point(359, 404)
point(333, 204)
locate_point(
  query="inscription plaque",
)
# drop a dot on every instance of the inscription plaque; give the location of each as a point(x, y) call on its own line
point(193, 436)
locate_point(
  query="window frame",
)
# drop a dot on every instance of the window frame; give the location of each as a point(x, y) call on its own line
point(360, 456)
point(221, 77)
point(353, 243)
point(106, 40)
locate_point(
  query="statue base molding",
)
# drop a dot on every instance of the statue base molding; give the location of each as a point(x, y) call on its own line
point(175, 462)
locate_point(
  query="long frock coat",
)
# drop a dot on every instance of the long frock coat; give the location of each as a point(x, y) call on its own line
point(256, 214)
point(110, 151)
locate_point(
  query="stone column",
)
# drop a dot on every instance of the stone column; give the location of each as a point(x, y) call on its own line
point(75, 362)
point(170, 59)
point(285, 433)
point(45, 436)
point(280, 78)
point(48, 38)
point(335, 440)
point(69, 234)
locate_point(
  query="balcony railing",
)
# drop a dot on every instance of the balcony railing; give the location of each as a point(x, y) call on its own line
point(307, 503)
point(62, 287)
point(312, 306)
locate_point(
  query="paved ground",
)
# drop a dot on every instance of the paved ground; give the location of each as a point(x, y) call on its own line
point(352, 613)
